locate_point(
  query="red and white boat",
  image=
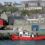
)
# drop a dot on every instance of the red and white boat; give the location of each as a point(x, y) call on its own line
point(14, 37)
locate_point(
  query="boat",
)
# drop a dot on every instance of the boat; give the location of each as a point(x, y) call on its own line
point(15, 37)
point(26, 37)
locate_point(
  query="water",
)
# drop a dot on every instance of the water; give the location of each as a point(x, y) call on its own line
point(7, 42)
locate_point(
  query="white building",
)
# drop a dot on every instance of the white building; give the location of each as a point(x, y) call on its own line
point(7, 3)
point(20, 6)
point(4, 16)
point(42, 3)
point(33, 4)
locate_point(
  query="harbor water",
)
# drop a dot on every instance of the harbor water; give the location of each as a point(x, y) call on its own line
point(9, 42)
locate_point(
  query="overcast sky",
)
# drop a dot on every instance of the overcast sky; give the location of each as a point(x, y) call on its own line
point(10, 0)
point(13, 0)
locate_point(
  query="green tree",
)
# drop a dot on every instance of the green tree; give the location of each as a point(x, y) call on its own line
point(13, 9)
point(0, 12)
point(10, 9)
point(35, 11)
point(25, 12)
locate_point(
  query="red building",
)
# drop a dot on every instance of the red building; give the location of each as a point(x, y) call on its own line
point(3, 23)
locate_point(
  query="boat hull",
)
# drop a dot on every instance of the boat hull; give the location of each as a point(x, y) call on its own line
point(14, 37)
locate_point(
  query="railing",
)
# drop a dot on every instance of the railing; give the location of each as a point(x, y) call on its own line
point(39, 32)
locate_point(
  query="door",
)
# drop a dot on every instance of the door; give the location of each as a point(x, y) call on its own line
point(35, 27)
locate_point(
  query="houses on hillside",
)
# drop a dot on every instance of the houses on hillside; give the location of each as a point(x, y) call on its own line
point(33, 4)
point(27, 5)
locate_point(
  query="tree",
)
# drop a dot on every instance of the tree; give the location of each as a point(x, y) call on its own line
point(35, 11)
point(13, 9)
point(25, 12)
point(10, 9)
point(0, 12)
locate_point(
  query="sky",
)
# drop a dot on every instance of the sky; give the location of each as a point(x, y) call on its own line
point(9, 1)
point(18, 1)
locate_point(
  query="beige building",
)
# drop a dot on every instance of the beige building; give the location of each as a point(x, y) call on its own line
point(4, 16)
